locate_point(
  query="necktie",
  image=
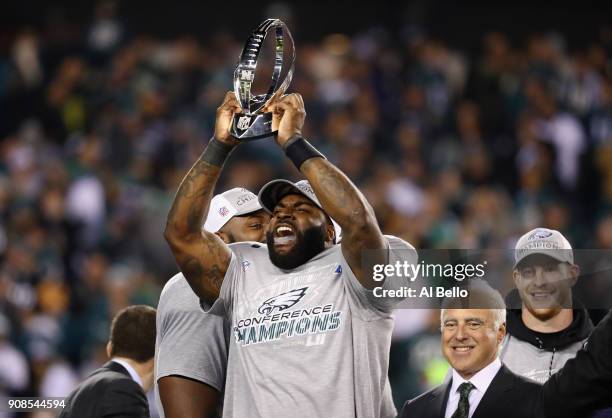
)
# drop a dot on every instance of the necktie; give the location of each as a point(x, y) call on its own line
point(463, 409)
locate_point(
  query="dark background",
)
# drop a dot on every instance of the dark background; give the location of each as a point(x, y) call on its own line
point(456, 22)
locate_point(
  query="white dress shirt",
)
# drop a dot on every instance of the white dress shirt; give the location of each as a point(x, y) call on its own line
point(481, 382)
point(133, 374)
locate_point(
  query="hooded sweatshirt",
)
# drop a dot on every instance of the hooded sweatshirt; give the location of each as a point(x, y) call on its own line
point(537, 355)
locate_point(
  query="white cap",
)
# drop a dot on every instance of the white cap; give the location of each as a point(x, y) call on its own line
point(271, 193)
point(544, 241)
point(224, 206)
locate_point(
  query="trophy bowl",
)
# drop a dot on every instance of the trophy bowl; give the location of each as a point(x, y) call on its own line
point(253, 123)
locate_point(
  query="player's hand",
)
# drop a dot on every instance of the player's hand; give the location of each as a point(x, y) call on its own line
point(288, 116)
point(223, 122)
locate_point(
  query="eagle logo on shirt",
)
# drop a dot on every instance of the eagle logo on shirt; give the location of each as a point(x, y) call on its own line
point(282, 301)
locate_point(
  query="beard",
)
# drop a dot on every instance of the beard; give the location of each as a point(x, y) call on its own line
point(307, 244)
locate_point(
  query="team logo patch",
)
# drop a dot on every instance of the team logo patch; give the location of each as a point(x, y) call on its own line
point(245, 265)
point(282, 301)
point(243, 122)
point(539, 234)
point(306, 187)
point(223, 211)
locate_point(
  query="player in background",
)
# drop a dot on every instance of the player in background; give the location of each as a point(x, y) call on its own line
point(551, 325)
point(191, 349)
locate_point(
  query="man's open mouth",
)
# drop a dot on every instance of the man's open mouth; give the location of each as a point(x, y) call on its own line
point(284, 234)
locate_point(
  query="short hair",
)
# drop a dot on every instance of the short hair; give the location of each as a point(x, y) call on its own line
point(132, 333)
point(481, 296)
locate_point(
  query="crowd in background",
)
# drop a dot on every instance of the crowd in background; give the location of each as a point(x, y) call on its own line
point(453, 150)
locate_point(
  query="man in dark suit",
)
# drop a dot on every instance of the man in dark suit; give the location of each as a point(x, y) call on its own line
point(118, 388)
point(480, 386)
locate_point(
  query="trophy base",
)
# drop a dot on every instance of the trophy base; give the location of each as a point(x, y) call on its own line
point(251, 127)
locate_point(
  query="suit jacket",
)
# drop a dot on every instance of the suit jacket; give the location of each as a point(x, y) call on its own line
point(107, 392)
point(508, 395)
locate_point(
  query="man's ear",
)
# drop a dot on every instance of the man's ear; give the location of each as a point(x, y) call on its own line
point(331, 233)
point(501, 333)
point(223, 236)
point(516, 276)
point(109, 349)
point(574, 270)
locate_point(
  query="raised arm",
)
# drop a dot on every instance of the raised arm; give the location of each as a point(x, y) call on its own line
point(202, 256)
point(338, 195)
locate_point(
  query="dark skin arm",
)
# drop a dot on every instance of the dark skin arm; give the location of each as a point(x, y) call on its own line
point(186, 398)
point(202, 256)
point(339, 197)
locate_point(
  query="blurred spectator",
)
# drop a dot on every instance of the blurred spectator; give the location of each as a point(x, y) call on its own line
point(26, 57)
point(105, 32)
point(581, 88)
point(561, 129)
point(14, 370)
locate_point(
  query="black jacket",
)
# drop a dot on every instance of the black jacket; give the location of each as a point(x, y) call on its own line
point(508, 396)
point(107, 392)
point(584, 384)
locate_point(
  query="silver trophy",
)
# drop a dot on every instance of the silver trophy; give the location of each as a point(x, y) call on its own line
point(253, 122)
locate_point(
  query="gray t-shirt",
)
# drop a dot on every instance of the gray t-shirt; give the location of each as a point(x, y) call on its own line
point(190, 338)
point(310, 342)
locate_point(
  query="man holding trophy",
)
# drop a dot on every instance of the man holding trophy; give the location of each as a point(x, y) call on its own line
point(308, 335)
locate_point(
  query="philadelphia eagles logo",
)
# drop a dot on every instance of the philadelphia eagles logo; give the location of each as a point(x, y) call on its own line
point(539, 234)
point(283, 301)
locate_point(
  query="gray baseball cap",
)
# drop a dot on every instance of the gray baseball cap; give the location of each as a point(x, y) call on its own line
point(543, 241)
point(272, 192)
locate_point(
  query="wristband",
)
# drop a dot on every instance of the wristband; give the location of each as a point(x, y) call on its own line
point(216, 152)
point(298, 150)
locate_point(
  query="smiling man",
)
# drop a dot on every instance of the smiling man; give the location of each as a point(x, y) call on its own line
point(309, 337)
point(480, 387)
point(551, 325)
